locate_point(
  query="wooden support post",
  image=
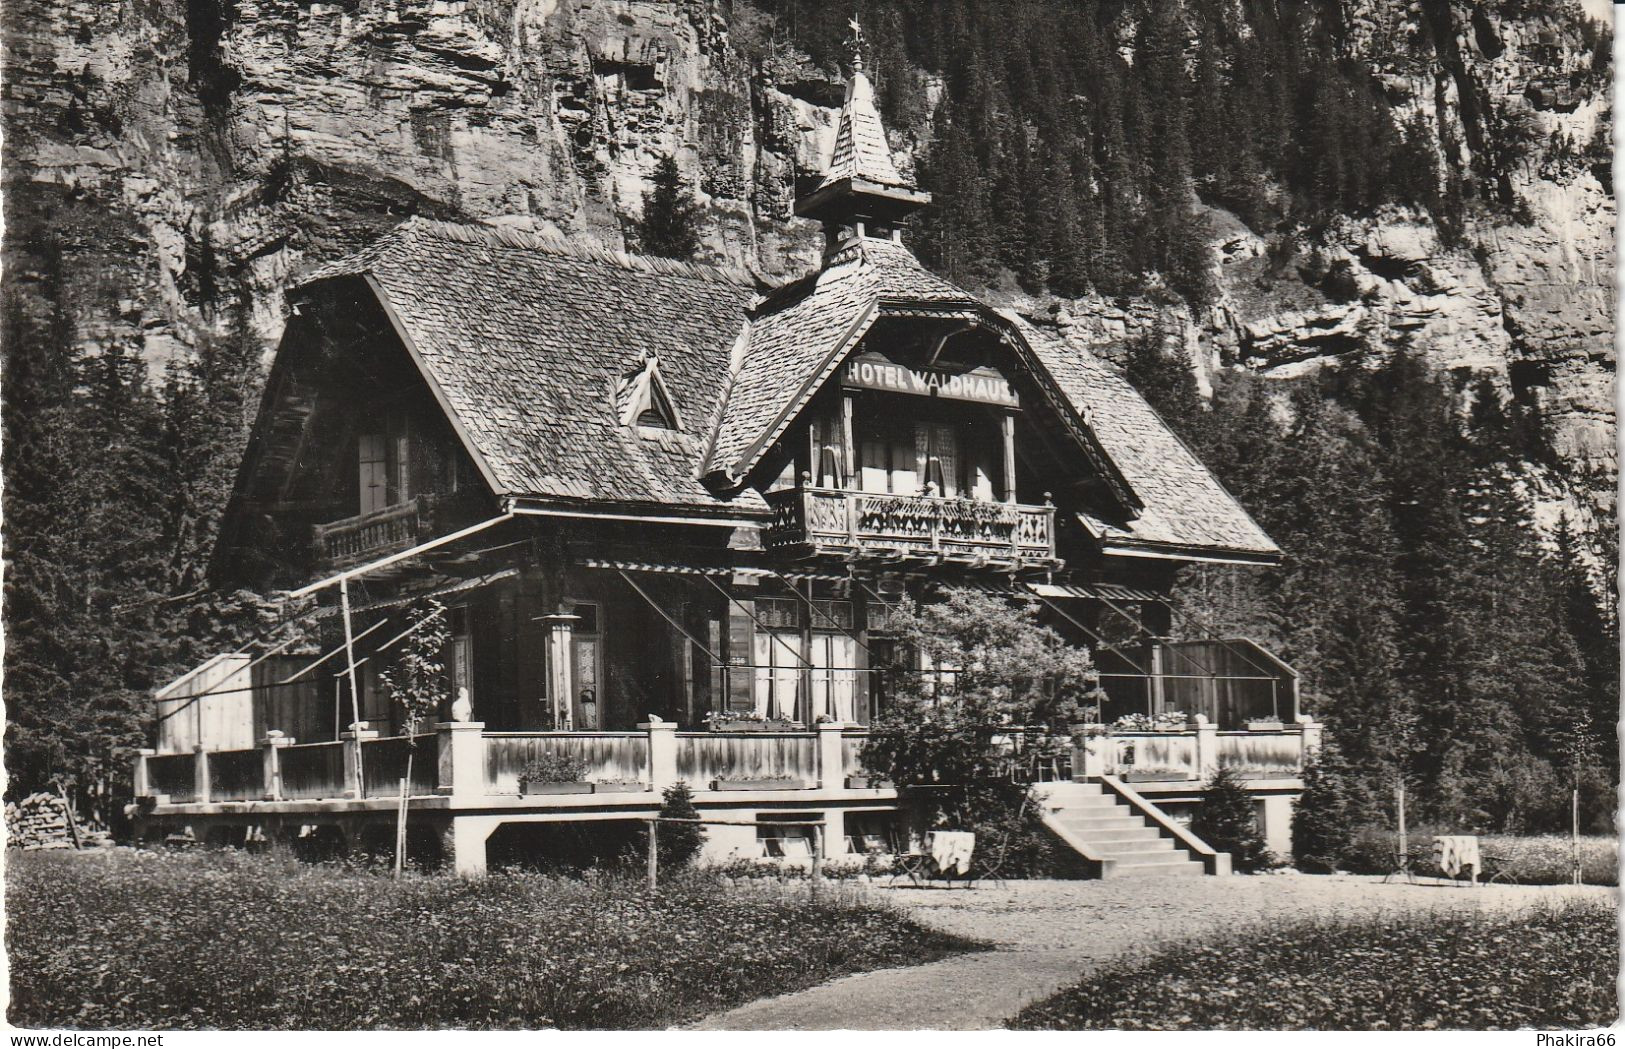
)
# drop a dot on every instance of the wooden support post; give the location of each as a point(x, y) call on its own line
point(817, 855)
point(271, 768)
point(142, 782)
point(1007, 427)
point(849, 468)
point(200, 773)
point(560, 684)
point(654, 854)
point(349, 659)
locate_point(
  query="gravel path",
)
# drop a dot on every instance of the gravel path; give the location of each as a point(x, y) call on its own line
point(1047, 934)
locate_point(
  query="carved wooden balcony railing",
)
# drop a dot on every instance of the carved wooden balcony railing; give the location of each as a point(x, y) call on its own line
point(340, 544)
point(843, 522)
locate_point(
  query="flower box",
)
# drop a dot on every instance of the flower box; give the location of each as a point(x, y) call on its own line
point(619, 787)
point(1154, 777)
point(772, 783)
point(750, 725)
point(572, 787)
point(867, 782)
point(1265, 725)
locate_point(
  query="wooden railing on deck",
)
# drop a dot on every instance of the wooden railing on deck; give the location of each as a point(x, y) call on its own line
point(368, 535)
point(174, 775)
point(919, 524)
point(704, 758)
point(609, 757)
point(383, 763)
point(312, 770)
point(236, 775)
point(1260, 754)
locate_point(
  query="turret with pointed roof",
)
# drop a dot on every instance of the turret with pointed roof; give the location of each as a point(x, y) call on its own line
point(862, 183)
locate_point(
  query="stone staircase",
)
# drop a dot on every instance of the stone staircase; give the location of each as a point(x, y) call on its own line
point(1119, 839)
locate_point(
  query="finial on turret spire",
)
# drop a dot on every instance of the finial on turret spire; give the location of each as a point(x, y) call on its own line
point(857, 44)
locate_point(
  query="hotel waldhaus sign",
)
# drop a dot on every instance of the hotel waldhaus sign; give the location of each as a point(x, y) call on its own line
point(981, 385)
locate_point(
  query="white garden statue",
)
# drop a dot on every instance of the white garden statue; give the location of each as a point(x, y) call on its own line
point(461, 708)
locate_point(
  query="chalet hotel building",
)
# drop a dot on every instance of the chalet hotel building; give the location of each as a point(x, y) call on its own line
point(669, 511)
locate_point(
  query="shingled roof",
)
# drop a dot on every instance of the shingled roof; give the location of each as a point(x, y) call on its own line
point(530, 341)
point(861, 150)
point(1185, 506)
point(528, 337)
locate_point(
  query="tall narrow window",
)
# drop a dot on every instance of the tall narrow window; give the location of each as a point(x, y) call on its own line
point(936, 447)
point(374, 473)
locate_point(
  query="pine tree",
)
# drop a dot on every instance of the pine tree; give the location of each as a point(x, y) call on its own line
point(1226, 821)
point(670, 226)
point(678, 843)
point(1328, 814)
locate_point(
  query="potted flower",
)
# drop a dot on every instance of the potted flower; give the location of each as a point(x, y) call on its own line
point(554, 774)
point(747, 721)
point(1166, 721)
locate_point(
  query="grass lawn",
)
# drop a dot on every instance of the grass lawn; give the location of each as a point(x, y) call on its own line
point(1551, 967)
point(125, 939)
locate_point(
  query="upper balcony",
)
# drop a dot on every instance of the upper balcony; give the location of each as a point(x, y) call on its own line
point(353, 540)
point(910, 527)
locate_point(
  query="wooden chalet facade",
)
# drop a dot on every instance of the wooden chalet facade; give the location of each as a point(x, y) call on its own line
point(656, 497)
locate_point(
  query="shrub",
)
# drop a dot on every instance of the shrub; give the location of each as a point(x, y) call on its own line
point(1536, 860)
point(1225, 820)
point(679, 843)
point(1551, 967)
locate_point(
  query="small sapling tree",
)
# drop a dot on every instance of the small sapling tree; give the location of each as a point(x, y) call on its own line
point(416, 682)
point(949, 732)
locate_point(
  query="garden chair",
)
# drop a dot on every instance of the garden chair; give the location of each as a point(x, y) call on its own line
point(989, 862)
point(1496, 867)
point(949, 857)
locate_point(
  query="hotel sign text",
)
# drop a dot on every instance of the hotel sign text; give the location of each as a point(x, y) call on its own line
point(982, 385)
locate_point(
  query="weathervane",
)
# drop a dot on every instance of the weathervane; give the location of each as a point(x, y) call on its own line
point(857, 44)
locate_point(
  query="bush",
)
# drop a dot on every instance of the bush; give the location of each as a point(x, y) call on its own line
point(1003, 813)
point(1225, 820)
point(123, 939)
point(1552, 967)
point(1537, 860)
point(679, 843)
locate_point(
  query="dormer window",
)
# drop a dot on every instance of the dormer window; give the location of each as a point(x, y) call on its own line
point(644, 400)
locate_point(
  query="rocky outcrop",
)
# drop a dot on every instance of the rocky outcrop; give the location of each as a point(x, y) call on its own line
point(171, 160)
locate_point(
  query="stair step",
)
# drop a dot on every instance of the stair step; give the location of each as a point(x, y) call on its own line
point(1088, 823)
point(1139, 853)
point(1183, 869)
point(1087, 804)
point(1126, 836)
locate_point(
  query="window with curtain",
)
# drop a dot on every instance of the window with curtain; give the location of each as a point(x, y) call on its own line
point(829, 468)
point(834, 676)
point(775, 655)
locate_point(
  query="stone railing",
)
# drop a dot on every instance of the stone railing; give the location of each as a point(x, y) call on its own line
point(929, 526)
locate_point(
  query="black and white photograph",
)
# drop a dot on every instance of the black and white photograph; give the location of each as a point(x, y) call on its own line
point(809, 515)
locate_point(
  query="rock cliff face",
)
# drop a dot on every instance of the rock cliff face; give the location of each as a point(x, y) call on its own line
point(169, 161)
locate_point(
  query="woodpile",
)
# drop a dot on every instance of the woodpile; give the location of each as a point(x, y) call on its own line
point(41, 821)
